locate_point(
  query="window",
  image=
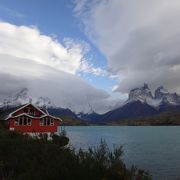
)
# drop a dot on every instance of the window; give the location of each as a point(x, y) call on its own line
point(31, 111)
point(23, 121)
point(20, 121)
point(46, 121)
point(52, 122)
point(29, 121)
point(16, 122)
point(42, 122)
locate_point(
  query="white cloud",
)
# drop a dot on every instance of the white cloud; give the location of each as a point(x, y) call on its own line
point(89, 68)
point(140, 39)
point(47, 68)
point(79, 6)
point(64, 89)
point(29, 43)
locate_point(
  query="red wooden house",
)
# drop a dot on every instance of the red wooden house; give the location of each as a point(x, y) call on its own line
point(32, 120)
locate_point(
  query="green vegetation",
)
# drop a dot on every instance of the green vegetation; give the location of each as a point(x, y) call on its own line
point(168, 118)
point(24, 158)
point(163, 119)
point(69, 121)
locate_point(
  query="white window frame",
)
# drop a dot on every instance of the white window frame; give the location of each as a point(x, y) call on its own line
point(21, 121)
point(41, 122)
point(29, 121)
point(30, 111)
point(44, 121)
point(16, 122)
point(22, 118)
point(51, 122)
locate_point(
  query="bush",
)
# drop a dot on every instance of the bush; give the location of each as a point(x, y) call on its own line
point(60, 140)
point(24, 158)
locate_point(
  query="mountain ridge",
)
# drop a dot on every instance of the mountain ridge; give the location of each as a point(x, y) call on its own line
point(141, 102)
point(161, 96)
point(22, 97)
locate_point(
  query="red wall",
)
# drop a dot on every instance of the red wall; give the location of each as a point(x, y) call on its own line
point(35, 127)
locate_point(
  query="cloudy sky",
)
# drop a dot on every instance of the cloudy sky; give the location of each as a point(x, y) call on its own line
point(88, 54)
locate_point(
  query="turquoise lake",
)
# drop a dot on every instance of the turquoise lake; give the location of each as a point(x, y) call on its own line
point(153, 148)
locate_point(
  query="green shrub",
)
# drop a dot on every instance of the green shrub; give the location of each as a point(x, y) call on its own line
point(60, 140)
point(24, 158)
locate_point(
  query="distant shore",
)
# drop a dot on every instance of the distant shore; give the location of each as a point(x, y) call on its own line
point(164, 119)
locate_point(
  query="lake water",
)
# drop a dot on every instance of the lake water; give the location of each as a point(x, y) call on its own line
point(154, 148)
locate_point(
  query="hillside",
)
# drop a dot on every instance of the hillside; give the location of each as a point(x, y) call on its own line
point(163, 119)
point(141, 103)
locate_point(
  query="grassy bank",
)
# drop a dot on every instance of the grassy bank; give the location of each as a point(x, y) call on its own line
point(24, 158)
point(171, 118)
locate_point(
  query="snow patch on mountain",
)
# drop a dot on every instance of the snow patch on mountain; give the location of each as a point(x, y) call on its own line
point(160, 92)
point(161, 96)
point(44, 101)
point(142, 94)
point(166, 97)
point(23, 97)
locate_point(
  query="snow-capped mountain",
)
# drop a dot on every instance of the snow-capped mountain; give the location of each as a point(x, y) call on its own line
point(141, 103)
point(142, 94)
point(17, 99)
point(160, 92)
point(44, 101)
point(23, 97)
point(167, 98)
point(161, 96)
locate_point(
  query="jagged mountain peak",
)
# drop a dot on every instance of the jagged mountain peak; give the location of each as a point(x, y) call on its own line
point(23, 91)
point(162, 89)
point(145, 86)
point(161, 96)
point(166, 97)
point(44, 101)
point(23, 97)
point(160, 92)
point(142, 94)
